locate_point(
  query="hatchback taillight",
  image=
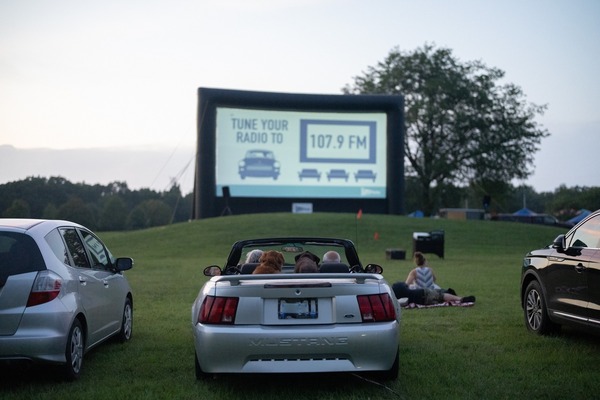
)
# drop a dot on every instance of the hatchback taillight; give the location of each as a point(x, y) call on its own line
point(46, 287)
point(218, 310)
point(376, 308)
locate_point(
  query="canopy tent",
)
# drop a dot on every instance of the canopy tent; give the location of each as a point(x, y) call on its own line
point(581, 214)
point(524, 212)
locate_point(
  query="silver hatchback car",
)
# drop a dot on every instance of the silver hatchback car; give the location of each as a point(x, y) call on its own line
point(61, 293)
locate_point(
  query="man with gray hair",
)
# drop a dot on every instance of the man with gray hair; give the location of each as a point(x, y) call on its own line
point(331, 257)
point(253, 256)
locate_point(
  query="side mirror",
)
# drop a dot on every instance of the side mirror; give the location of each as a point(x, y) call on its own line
point(123, 264)
point(213, 270)
point(374, 269)
point(559, 243)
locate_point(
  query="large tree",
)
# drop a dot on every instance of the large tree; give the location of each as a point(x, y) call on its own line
point(463, 126)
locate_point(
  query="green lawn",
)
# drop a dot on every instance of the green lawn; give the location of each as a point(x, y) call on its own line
point(481, 352)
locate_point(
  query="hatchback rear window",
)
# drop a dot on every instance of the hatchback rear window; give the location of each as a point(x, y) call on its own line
point(18, 254)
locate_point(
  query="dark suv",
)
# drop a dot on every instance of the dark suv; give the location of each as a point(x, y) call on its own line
point(560, 284)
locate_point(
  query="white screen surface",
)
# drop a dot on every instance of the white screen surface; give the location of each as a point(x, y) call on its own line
point(297, 154)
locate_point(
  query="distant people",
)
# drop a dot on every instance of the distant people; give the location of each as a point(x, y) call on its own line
point(427, 296)
point(331, 257)
point(253, 256)
point(306, 262)
point(271, 262)
point(421, 277)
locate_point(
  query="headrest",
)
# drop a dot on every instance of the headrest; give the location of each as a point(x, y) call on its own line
point(334, 268)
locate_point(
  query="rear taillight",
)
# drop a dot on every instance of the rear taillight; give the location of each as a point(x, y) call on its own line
point(218, 310)
point(376, 308)
point(46, 287)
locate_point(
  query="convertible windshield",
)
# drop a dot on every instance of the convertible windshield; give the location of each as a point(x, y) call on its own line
point(291, 250)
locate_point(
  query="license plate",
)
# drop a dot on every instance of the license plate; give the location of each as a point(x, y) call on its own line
point(298, 309)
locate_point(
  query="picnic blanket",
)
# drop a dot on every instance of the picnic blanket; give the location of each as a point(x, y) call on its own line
point(445, 304)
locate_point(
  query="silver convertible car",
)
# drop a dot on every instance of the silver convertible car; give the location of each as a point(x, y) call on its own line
point(61, 293)
point(342, 318)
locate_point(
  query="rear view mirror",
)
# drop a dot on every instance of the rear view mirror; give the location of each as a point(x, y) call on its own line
point(213, 270)
point(374, 269)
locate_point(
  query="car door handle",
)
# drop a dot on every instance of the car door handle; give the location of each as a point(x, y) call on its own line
point(580, 267)
point(105, 282)
point(82, 280)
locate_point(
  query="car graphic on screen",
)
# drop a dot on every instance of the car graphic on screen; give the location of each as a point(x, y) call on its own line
point(309, 173)
point(259, 164)
point(365, 174)
point(338, 174)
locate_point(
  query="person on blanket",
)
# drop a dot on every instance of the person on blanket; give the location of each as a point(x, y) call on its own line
point(422, 276)
point(427, 296)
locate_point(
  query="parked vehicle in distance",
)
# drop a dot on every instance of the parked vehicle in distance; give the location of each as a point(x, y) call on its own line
point(61, 293)
point(344, 320)
point(560, 284)
point(260, 164)
point(541, 219)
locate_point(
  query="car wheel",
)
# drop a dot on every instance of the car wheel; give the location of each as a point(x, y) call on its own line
point(535, 311)
point(200, 375)
point(74, 352)
point(127, 322)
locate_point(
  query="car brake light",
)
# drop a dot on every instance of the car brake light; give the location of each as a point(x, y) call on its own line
point(46, 287)
point(218, 310)
point(376, 308)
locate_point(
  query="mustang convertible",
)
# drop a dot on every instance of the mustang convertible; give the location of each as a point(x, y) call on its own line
point(342, 318)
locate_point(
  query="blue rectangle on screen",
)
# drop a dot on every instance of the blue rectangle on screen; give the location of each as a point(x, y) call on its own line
point(331, 141)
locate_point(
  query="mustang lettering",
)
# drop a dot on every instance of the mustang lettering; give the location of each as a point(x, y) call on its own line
point(314, 341)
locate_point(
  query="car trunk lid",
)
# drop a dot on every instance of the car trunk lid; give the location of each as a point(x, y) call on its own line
point(286, 299)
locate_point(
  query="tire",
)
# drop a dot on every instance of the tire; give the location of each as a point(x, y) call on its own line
point(536, 312)
point(200, 375)
point(74, 352)
point(126, 331)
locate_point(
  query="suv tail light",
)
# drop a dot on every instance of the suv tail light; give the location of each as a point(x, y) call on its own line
point(46, 287)
point(376, 307)
point(218, 310)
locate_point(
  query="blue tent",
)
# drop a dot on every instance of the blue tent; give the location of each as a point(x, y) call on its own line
point(416, 214)
point(524, 212)
point(581, 214)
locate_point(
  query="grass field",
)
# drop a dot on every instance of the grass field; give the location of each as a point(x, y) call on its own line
point(481, 352)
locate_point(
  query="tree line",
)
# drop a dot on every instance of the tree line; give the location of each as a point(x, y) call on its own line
point(112, 207)
point(115, 207)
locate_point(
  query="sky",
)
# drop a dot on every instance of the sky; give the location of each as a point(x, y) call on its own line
point(122, 76)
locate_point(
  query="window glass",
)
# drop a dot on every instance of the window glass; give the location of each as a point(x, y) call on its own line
point(588, 234)
point(96, 250)
point(18, 254)
point(75, 247)
point(58, 246)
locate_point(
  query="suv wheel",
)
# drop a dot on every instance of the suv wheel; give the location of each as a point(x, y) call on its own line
point(535, 311)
